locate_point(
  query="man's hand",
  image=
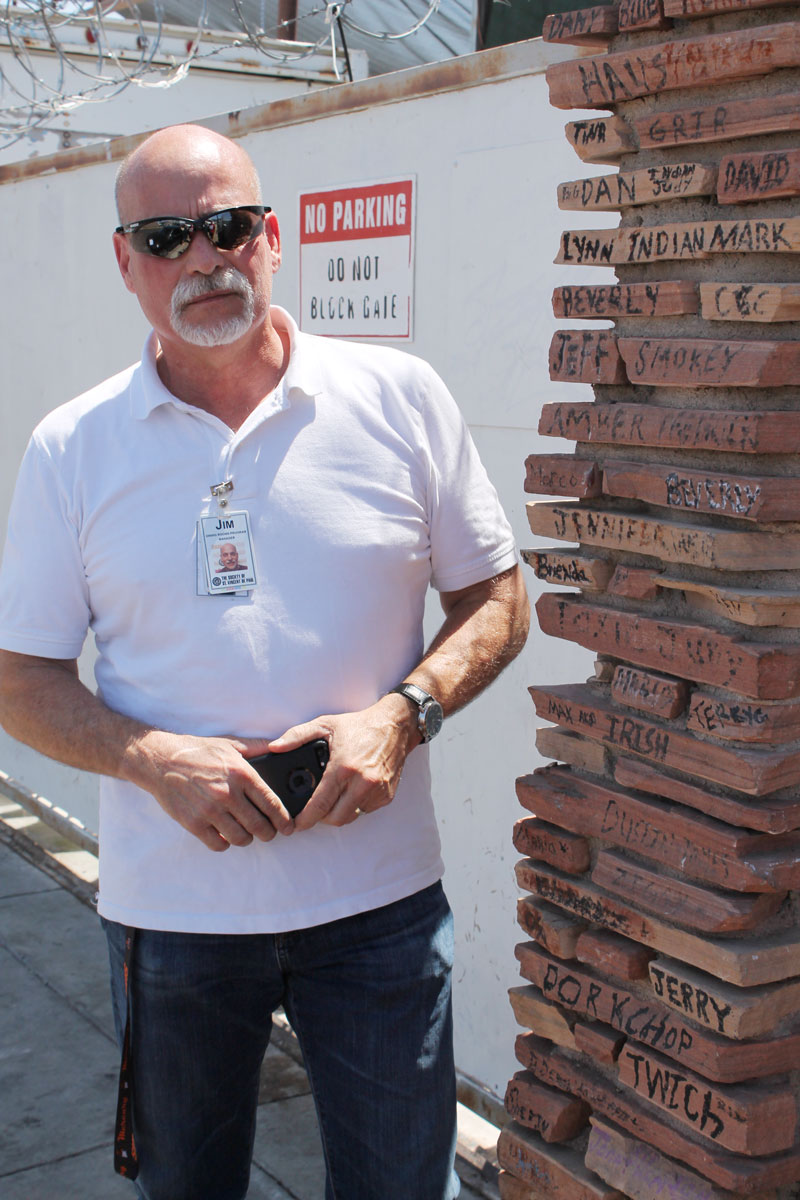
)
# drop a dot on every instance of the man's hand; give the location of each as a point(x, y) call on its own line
point(207, 785)
point(367, 752)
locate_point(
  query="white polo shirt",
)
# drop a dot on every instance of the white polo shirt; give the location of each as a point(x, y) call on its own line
point(362, 486)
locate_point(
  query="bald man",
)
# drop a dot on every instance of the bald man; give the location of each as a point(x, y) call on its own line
point(349, 473)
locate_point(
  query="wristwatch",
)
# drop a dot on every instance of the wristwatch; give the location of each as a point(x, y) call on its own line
point(430, 716)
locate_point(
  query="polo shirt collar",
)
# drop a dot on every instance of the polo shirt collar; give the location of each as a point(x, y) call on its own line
point(302, 374)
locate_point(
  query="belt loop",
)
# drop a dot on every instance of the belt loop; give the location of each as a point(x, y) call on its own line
point(126, 1161)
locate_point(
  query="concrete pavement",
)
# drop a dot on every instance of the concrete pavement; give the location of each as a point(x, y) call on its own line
point(58, 1061)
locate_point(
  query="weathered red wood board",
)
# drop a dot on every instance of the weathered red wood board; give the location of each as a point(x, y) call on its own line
point(746, 1118)
point(743, 721)
point(543, 1017)
point(582, 27)
point(763, 302)
point(732, 1011)
point(684, 901)
point(585, 356)
point(662, 298)
point(729, 494)
point(655, 694)
point(734, 431)
point(768, 175)
point(701, 846)
point(642, 1172)
point(561, 475)
point(757, 772)
point(720, 121)
point(551, 927)
point(572, 748)
point(666, 538)
point(537, 839)
point(603, 81)
point(745, 961)
point(679, 240)
point(552, 1170)
point(771, 815)
point(584, 992)
point(748, 606)
point(737, 1172)
point(612, 954)
point(710, 8)
point(569, 567)
point(666, 181)
point(641, 14)
point(555, 1115)
point(637, 583)
point(710, 362)
point(601, 139)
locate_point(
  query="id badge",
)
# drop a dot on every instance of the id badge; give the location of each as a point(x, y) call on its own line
point(225, 552)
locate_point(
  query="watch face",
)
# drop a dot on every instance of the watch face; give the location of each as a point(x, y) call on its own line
point(433, 718)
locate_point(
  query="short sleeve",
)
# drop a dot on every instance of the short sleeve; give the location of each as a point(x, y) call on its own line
point(44, 603)
point(471, 539)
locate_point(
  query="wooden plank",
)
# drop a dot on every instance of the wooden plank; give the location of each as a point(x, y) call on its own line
point(701, 846)
point(769, 175)
point(742, 720)
point(728, 494)
point(749, 606)
point(666, 538)
point(542, 1017)
point(761, 670)
point(582, 26)
point(551, 927)
point(765, 302)
point(585, 993)
point(721, 1007)
point(610, 193)
point(642, 14)
point(543, 1170)
point(710, 362)
point(748, 1119)
point(585, 356)
point(611, 954)
point(746, 961)
point(637, 583)
point(650, 693)
point(737, 1172)
point(709, 8)
point(599, 1041)
point(603, 81)
point(644, 1173)
point(757, 772)
point(555, 1115)
point(730, 431)
point(570, 568)
point(769, 815)
point(667, 298)
point(600, 139)
point(720, 121)
point(570, 747)
point(561, 475)
point(562, 849)
point(679, 240)
point(695, 905)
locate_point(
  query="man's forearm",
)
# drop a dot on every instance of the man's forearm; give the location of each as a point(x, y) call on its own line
point(485, 627)
point(44, 704)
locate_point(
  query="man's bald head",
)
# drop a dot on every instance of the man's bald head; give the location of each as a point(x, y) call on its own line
point(185, 150)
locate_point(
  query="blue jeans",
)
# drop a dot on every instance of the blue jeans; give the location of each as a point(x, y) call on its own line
point(369, 999)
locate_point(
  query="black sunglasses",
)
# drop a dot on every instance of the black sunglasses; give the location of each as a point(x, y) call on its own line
point(170, 237)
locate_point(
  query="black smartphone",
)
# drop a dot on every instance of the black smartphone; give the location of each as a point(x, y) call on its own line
point(294, 774)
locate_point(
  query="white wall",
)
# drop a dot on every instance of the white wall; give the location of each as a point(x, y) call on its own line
point(487, 160)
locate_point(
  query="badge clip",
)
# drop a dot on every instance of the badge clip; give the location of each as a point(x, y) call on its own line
point(220, 490)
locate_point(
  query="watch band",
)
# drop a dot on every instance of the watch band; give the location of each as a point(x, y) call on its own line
point(429, 711)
